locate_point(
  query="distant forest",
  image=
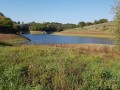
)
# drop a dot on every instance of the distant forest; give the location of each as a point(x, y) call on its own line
point(9, 26)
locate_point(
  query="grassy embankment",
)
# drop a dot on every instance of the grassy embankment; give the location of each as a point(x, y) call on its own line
point(10, 39)
point(59, 67)
point(100, 30)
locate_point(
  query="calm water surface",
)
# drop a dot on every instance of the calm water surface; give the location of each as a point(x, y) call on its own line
point(56, 39)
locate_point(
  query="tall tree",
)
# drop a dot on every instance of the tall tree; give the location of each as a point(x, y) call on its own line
point(81, 24)
point(116, 9)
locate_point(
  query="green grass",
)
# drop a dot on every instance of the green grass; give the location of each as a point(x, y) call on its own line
point(48, 68)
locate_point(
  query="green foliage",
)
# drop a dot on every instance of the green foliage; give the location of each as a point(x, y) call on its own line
point(103, 20)
point(69, 26)
point(7, 25)
point(88, 23)
point(48, 27)
point(81, 24)
point(5, 22)
point(45, 68)
point(117, 23)
point(100, 21)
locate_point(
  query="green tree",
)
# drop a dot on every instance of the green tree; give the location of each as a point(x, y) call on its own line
point(96, 22)
point(103, 20)
point(81, 24)
point(116, 9)
point(17, 28)
point(6, 24)
point(69, 26)
point(100, 21)
point(46, 26)
point(88, 23)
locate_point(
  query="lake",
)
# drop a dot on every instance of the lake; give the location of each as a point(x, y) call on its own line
point(56, 39)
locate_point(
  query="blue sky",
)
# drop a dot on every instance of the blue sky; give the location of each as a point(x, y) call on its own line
point(64, 11)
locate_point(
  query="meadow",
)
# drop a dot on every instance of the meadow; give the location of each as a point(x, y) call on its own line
point(59, 67)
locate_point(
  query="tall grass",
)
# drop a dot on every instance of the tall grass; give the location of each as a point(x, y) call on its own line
point(5, 44)
point(47, 68)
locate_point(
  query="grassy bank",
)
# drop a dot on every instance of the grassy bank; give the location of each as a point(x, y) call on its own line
point(58, 67)
point(9, 39)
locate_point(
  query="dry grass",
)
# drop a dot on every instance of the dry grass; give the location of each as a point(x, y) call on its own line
point(84, 34)
point(100, 49)
point(99, 30)
point(12, 38)
point(104, 27)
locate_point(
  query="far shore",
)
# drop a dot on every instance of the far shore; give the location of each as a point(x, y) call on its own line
point(85, 34)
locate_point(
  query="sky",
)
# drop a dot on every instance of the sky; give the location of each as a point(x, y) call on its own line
point(63, 11)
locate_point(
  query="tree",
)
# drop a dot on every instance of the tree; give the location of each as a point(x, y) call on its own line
point(6, 25)
point(88, 23)
point(100, 21)
point(46, 26)
point(81, 24)
point(16, 28)
point(116, 9)
point(1, 14)
point(69, 26)
point(18, 22)
point(96, 22)
point(103, 20)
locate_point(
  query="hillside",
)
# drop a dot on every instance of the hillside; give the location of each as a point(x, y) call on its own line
point(99, 30)
point(98, 27)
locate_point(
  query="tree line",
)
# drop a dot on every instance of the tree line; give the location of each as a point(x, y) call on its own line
point(54, 26)
point(9, 26)
point(82, 24)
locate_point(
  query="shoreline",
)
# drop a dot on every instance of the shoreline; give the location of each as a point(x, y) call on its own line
point(13, 38)
point(83, 34)
point(22, 40)
point(28, 40)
